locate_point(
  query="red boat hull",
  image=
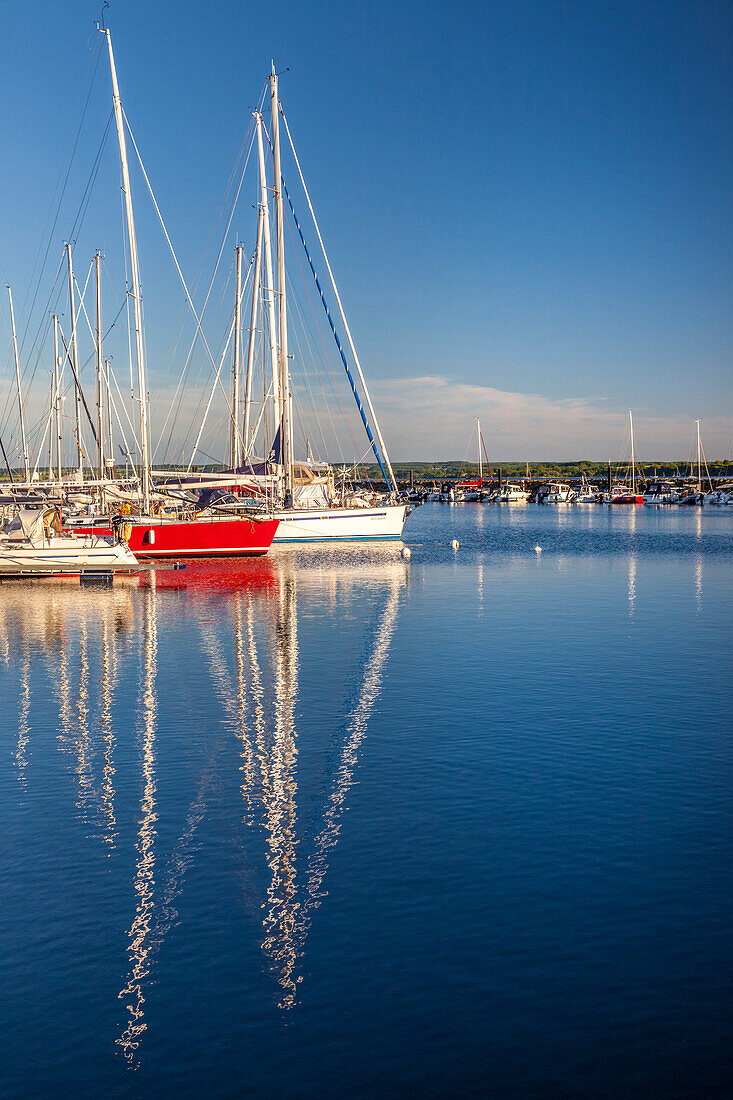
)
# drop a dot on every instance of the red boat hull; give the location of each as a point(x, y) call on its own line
point(628, 500)
point(197, 538)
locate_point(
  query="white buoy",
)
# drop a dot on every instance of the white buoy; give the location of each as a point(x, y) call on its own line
point(406, 552)
point(538, 548)
point(455, 544)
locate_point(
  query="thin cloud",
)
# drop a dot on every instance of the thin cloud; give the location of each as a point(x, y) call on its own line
point(431, 417)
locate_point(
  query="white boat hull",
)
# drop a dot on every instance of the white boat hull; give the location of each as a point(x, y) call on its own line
point(65, 556)
point(341, 524)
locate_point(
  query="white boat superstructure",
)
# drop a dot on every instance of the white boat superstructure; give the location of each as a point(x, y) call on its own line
point(31, 544)
point(512, 493)
point(661, 492)
point(720, 497)
point(587, 494)
point(557, 492)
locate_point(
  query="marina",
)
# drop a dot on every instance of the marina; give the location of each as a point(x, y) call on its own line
point(331, 765)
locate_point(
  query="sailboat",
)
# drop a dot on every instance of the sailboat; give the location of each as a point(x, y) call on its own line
point(32, 544)
point(693, 493)
point(624, 494)
point(470, 490)
point(178, 532)
point(304, 495)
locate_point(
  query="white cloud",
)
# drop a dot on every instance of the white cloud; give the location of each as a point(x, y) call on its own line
point(433, 417)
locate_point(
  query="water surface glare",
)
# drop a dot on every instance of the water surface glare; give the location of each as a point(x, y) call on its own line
point(332, 822)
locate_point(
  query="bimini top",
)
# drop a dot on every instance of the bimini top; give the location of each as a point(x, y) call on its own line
point(29, 523)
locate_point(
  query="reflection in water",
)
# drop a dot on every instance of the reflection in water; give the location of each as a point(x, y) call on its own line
point(21, 758)
point(632, 584)
point(84, 767)
point(143, 882)
point(698, 560)
point(109, 683)
point(280, 790)
point(355, 733)
point(251, 652)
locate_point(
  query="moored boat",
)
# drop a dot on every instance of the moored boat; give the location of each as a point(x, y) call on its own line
point(202, 536)
point(512, 493)
point(555, 492)
point(623, 494)
point(32, 543)
point(661, 492)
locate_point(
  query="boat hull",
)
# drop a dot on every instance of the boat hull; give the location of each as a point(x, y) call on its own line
point(341, 524)
point(60, 559)
point(200, 538)
point(629, 498)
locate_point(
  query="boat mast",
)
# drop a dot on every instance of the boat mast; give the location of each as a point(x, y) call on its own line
point(287, 450)
point(699, 476)
point(633, 468)
point(270, 288)
point(75, 364)
point(253, 329)
point(57, 410)
point(234, 434)
point(480, 462)
point(20, 392)
point(110, 442)
point(136, 296)
point(100, 369)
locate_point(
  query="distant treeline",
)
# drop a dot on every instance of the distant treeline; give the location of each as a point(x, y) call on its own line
point(454, 471)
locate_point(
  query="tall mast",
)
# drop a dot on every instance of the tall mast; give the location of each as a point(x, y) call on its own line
point(135, 267)
point(110, 442)
point(20, 392)
point(57, 409)
point(253, 329)
point(75, 364)
point(234, 433)
point(633, 468)
point(283, 316)
point(51, 431)
point(480, 463)
point(100, 369)
point(270, 288)
point(699, 477)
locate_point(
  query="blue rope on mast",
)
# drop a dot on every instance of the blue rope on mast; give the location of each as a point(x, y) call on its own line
point(354, 390)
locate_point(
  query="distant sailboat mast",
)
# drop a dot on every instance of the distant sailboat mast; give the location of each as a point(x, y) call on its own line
point(480, 459)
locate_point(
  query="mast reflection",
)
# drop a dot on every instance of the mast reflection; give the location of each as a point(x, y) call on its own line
point(21, 751)
point(143, 881)
point(247, 620)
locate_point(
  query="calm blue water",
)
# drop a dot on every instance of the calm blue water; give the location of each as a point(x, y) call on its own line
point(335, 823)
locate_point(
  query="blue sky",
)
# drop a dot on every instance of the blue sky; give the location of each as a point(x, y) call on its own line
point(527, 205)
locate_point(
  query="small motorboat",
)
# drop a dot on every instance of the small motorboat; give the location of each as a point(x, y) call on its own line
point(623, 494)
point(512, 493)
point(555, 492)
point(661, 492)
point(587, 494)
point(32, 544)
